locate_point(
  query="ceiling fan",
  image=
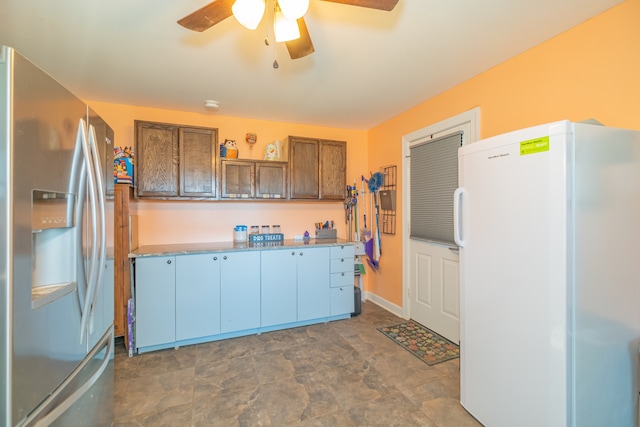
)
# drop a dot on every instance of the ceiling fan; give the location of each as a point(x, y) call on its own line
point(219, 10)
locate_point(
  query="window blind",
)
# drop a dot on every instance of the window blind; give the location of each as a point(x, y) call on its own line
point(434, 179)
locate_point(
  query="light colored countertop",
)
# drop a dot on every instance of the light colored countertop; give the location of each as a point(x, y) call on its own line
point(194, 248)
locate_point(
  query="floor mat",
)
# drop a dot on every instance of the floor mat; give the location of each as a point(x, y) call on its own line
point(423, 343)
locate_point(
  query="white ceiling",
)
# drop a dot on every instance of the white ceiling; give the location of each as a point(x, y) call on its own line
point(369, 65)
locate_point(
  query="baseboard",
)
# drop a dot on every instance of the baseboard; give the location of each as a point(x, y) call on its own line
point(389, 306)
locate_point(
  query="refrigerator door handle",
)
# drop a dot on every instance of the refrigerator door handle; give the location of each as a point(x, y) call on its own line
point(102, 255)
point(93, 267)
point(457, 217)
point(105, 343)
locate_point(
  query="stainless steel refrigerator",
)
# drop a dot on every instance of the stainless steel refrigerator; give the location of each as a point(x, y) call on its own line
point(547, 224)
point(56, 348)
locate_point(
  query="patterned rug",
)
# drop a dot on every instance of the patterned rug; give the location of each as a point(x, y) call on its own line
point(423, 343)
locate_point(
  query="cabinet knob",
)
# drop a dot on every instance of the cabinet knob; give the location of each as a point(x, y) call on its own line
point(168, 261)
point(215, 258)
point(293, 253)
point(224, 257)
point(342, 260)
point(342, 274)
point(342, 247)
point(301, 253)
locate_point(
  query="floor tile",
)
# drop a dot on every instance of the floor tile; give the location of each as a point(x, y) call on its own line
point(344, 373)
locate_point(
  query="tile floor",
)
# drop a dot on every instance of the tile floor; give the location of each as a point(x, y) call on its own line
point(342, 373)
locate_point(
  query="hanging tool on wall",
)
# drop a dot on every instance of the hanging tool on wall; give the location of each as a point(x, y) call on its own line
point(372, 247)
point(349, 202)
point(365, 233)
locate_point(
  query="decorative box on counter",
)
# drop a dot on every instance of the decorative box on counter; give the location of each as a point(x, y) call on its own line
point(272, 237)
point(326, 234)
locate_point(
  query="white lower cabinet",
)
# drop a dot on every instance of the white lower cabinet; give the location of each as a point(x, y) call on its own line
point(155, 301)
point(239, 291)
point(197, 296)
point(279, 293)
point(313, 277)
point(342, 299)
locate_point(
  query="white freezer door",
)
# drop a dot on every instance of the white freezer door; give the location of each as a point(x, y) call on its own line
point(512, 211)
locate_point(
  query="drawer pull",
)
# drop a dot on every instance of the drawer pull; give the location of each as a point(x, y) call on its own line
point(215, 258)
point(168, 261)
point(293, 253)
point(301, 253)
point(342, 274)
point(224, 257)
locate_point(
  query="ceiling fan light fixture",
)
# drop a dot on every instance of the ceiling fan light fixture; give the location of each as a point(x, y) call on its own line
point(293, 9)
point(248, 12)
point(284, 28)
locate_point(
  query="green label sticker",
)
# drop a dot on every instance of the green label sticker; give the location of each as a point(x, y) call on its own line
point(533, 146)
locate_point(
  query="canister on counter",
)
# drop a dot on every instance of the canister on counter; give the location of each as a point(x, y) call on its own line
point(240, 233)
point(255, 229)
point(266, 229)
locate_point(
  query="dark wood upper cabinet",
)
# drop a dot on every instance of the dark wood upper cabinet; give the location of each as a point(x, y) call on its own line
point(271, 180)
point(249, 179)
point(238, 178)
point(333, 170)
point(303, 167)
point(198, 148)
point(317, 168)
point(175, 161)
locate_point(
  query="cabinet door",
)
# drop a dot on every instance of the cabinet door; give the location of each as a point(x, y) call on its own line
point(198, 148)
point(303, 163)
point(155, 301)
point(278, 291)
point(333, 170)
point(238, 179)
point(197, 296)
point(271, 180)
point(157, 159)
point(240, 291)
point(313, 279)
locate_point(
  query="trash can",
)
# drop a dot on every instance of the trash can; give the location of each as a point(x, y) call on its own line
point(357, 301)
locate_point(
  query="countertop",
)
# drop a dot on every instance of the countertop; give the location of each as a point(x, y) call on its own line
point(213, 247)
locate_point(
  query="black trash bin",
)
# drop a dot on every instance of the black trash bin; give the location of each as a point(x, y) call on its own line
point(357, 301)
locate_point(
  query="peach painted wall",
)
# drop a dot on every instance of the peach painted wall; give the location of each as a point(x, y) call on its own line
point(162, 222)
point(590, 71)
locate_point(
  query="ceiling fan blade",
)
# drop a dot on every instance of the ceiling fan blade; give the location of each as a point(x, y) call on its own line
point(208, 16)
point(303, 46)
point(372, 4)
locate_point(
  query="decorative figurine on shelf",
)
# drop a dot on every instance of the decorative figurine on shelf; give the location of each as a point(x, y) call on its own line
point(123, 165)
point(251, 138)
point(232, 148)
point(272, 151)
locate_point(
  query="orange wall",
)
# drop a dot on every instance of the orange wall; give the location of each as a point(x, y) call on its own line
point(162, 222)
point(590, 71)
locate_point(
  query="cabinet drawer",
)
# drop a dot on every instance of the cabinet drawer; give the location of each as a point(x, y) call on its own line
point(342, 300)
point(341, 279)
point(344, 251)
point(339, 265)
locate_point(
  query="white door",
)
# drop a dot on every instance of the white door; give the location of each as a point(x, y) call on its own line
point(435, 288)
point(431, 280)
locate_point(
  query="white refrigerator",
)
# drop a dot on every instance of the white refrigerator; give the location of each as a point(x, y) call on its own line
point(548, 224)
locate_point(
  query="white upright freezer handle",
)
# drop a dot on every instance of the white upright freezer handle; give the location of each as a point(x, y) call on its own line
point(457, 217)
